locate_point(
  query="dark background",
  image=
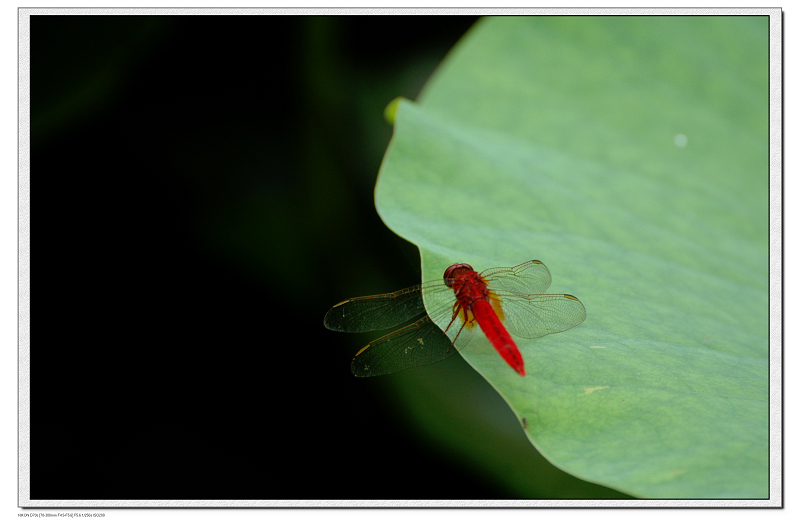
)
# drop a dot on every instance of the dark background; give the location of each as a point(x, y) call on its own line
point(202, 192)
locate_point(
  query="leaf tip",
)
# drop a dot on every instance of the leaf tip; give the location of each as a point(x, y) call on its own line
point(391, 109)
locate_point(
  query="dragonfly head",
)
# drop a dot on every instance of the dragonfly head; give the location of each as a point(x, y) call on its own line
point(454, 271)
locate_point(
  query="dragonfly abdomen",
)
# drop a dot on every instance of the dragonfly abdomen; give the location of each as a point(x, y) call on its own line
point(497, 334)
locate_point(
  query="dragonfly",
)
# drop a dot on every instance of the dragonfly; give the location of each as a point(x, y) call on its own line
point(497, 301)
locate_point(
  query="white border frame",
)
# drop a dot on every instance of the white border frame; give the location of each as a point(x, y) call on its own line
point(775, 268)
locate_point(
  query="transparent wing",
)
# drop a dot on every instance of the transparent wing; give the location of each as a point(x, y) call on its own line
point(527, 278)
point(415, 345)
point(535, 315)
point(371, 313)
point(529, 313)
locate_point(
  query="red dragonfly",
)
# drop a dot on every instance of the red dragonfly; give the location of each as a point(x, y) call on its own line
point(494, 299)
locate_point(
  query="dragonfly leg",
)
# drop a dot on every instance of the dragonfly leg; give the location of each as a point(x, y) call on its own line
point(456, 310)
point(454, 339)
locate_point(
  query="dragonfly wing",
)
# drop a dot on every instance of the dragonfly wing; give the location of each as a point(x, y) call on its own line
point(415, 345)
point(439, 300)
point(370, 313)
point(528, 278)
point(535, 315)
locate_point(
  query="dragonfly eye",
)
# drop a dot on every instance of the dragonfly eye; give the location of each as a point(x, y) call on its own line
point(454, 270)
